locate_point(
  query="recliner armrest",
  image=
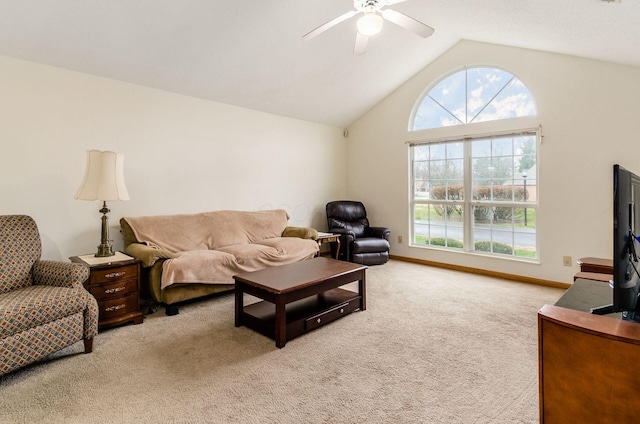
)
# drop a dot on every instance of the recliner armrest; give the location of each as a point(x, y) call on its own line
point(59, 274)
point(380, 232)
point(342, 231)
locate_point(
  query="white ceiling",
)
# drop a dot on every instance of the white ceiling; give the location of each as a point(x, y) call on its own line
point(249, 53)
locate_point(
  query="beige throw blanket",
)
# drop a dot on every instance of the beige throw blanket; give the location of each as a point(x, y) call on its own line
point(212, 247)
point(208, 230)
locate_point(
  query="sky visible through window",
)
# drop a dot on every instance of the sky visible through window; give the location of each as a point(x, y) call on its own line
point(474, 95)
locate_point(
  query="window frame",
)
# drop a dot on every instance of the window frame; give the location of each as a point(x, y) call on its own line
point(468, 202)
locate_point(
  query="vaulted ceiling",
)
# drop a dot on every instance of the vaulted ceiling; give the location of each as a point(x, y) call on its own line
point(250, 53)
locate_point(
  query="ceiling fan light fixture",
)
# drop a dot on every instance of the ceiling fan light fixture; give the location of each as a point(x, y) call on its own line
point(370, 24)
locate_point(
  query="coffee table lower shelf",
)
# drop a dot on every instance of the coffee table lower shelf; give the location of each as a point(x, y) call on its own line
point(302, 315)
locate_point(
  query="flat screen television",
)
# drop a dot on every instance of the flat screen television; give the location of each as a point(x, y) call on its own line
point(626, 247)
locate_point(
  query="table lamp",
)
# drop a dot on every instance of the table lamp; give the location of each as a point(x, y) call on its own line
point(103, 180)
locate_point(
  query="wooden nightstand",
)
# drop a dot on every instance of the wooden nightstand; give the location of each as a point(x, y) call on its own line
point(115, 283)
point(329, 238)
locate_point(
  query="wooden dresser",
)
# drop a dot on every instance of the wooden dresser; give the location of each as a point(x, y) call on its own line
point(116, 286)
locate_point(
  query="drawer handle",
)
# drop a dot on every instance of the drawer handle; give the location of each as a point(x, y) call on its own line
point(115, 274)
point(342, 310)
point(318, 320)
point(115, 290)
point(115, 308)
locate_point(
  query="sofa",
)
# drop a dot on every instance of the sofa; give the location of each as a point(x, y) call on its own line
point(188, 256)
point(43, 304)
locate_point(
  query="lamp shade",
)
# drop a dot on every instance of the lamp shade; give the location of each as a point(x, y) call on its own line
point(370, 24)
point(104, 177)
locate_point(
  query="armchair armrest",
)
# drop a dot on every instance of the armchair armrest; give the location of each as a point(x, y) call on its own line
point(348, 234)
point(343, 232)
point(301, 232)
point(60, 274)
point(380, 232)
point(148, 255)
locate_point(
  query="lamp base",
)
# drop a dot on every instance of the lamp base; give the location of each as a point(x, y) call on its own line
point(104, 251)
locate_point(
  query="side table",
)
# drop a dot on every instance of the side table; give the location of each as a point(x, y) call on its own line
point(329, 238)
point(115, 283)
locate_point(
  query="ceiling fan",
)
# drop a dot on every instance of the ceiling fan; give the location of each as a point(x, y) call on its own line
point(370, 23)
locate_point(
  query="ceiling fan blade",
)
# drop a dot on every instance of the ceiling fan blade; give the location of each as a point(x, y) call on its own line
point(361, 44)
point(322, 28)
point(407, 22)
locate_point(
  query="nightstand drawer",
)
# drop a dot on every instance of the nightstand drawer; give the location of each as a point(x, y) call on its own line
point(114, 289)
point(114, 274)
point(120, 306)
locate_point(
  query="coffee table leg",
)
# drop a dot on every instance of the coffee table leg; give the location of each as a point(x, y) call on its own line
point(281, 323)
point(239, 303)
point(362, 287)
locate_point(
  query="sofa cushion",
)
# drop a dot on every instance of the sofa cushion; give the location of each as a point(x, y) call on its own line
point(30, 306)
point(199, 266)
point(271, 252)
point(247, 254)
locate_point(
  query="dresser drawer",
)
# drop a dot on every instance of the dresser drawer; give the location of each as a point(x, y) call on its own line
point(114, 274)
point(114, 289)
point(116, 307)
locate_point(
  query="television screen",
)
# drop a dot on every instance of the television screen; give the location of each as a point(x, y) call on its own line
point(626, 246)
point(626, 216)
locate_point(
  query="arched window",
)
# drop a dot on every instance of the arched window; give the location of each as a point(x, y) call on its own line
point(476, 193)
point(473, 95)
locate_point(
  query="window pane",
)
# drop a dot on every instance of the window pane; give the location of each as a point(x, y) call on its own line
point(455, 170)
point(420, 153)
point(482, 190)
point(503, 215)
point(421, 169)
point(503, 192)
point(455, 150)
point(473, 95)
point(513, 101)
point(421, 189)
point(438, 225)
point(481, 148)
point(437, 151)
point(502, 147)
point(450, 94)
point(482, 215)
point(482, 85)
point(455, 191)
point(525, 232)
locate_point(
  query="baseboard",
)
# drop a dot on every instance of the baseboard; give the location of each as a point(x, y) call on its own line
point(496, 274)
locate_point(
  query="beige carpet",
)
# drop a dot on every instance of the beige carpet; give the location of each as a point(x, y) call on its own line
point(433, 346)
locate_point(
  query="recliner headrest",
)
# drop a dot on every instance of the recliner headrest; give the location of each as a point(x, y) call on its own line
point(346, 210)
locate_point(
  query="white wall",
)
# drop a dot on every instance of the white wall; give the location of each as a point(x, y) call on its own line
point(182, 155)
point(589, 114)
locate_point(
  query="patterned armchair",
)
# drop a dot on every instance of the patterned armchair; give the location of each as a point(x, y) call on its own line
point(43, 304)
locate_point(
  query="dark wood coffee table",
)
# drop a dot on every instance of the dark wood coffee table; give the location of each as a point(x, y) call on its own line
point(298, 297)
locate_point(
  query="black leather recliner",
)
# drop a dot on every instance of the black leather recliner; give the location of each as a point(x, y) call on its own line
point(359, 242)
